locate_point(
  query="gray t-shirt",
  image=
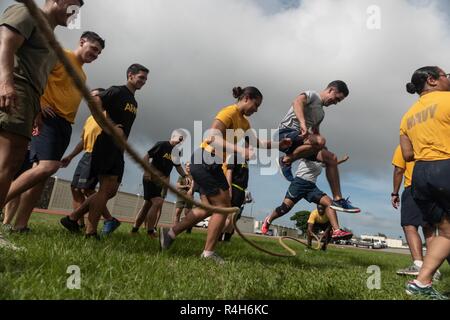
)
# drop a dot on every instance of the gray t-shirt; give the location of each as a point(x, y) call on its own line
point(314, 113)
point(309, 170)
point(34, 61)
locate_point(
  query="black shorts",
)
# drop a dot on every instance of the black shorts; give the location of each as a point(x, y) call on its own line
point(237, 197)
point(153, 190)
point(107, 159)
point(294, 135)
point(81, 177)
point(209, 178)
point(431, 189)
point(410, 211)
point(52, 141)
point(26, 165)
point(318, 227)
point(302, 189)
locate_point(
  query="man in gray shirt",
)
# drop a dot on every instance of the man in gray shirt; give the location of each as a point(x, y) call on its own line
point(302, 126)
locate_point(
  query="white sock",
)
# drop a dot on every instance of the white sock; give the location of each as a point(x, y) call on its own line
point(172, 234)
point(418, 263)
point(208, 253)
point(421, 285)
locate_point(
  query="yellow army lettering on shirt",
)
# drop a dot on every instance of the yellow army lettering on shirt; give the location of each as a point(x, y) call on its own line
point(234, 120)
point(131, 108)
point(315, 217)
point(400, 162)
point(61, 93)
point(168, 156)
point(427, 125)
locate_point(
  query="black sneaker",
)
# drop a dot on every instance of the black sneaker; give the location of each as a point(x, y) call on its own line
point(134, 230)
point(25, 230)
point(70, 225)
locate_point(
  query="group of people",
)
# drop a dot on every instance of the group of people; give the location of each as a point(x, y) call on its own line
point(39, 103)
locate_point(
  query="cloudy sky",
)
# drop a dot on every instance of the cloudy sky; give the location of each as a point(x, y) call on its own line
point(198, 50)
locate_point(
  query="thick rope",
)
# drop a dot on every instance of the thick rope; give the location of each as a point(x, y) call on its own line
point(109, 127)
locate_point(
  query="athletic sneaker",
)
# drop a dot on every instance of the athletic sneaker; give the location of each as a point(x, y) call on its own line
point(134, 230)
point(25, 230)
point(412, 270)
point(70, 225)
point(429, 292)
point(286, 170)
point(344, 205)
point(214, 257)
point(165, 241)
point(152, 234)
point(341, 235)
point(265, 226)
point(110, 226)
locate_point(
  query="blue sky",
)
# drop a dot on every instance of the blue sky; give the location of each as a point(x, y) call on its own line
point(198, 50)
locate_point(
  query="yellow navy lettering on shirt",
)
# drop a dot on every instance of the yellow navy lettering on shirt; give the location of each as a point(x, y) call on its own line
point(131, 107)
point(422, 116)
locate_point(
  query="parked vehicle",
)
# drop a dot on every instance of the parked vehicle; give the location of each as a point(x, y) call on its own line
point(367, 244)
point(203, 223)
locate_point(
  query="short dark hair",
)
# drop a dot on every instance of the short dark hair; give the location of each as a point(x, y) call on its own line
point(420, 78)
point(340, 86)
point(92, 36)
point(135, 68)
point(251, 92)
point(81, 3)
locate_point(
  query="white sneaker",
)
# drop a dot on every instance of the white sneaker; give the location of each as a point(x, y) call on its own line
point(215, 257)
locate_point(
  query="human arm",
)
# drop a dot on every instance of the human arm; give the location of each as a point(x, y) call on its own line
point(407, 148)
point(299, 105)
point(10, 42)
point(397, 181)
point(65, 162)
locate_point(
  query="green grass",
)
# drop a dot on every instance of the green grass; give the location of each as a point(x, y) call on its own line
point(131, 267)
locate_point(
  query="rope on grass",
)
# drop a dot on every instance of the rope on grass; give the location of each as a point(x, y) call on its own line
point(109, 127)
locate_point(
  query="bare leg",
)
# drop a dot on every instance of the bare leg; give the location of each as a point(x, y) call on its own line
point(10, 210)
point(12, 154)
point(331, 214)
point(312, 146)
point(195, 216)
point(217, 220)
point(438, 251)
point(332, 172)
point(28, 202)
point(414, 242)
point(77, 200)
point(106, 215)
point(177, 216)
point(108, 189)
point(142, 215)
point(275, 215)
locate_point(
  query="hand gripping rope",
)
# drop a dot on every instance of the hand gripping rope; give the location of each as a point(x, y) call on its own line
point(107, 125)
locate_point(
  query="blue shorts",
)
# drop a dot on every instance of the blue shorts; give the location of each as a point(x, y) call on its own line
point(431, 189)
point(294, 135)
point(52, 141)
point(411, 215)
point(302, 189)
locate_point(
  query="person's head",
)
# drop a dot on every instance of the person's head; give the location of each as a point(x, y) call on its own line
point(335, 92)
point(428, 79)
point(90, 47)
point(176, 138)
point(61, 11)
point(137, 76)
point(249, 99)
point(321, 209)
point(96, 92)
